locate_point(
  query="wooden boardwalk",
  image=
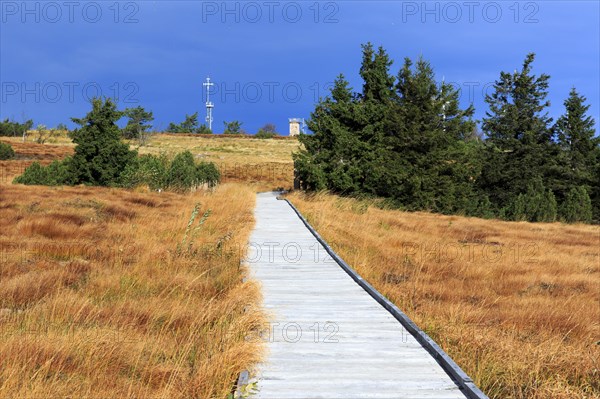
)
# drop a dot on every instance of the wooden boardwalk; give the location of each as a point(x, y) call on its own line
point(329, 338)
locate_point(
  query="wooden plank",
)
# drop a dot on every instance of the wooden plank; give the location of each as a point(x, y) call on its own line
point(329, 338)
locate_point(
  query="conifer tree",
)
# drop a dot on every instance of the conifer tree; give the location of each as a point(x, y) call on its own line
point(99, 156)
point(428, 142)
point(519, 138)
point(325, 161)
point(579, 157)
point(577, 206)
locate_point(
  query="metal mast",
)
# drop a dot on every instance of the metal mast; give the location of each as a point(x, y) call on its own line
point(209, 105)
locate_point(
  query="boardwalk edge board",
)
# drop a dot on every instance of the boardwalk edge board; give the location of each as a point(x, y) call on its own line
point(464, 382)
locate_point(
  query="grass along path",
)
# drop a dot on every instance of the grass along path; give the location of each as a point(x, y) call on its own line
point(516, 305)
point(101, 296)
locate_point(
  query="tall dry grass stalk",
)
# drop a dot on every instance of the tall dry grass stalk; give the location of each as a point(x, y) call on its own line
point(516, 305)
point(96, 300)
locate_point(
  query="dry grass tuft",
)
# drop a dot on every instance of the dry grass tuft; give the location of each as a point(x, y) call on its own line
point(516, 305)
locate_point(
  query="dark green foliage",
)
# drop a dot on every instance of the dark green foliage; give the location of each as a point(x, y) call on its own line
point(147, 170)
point(55, 174)
point(203, 129)
point(138, 124)
point(100, 156)
point(519, 139)
point(102, 159)
point(578, 162)
point(577, 206)
point(537, 204)
point(234, 127)
point(208, 173)
point(400, 138)
point(406, 138)
point(181, 174)
point(189, 125)
point(14, 129)
point(184, 174)
point(483, 208)
point(312, 176)
point(62, 127)
point(6, 152)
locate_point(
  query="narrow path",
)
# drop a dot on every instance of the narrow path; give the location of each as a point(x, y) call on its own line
point(329, 338)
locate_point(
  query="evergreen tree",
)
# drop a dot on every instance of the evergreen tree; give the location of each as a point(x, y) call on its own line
point(580, 150)
point(100, 156)
point(404, 140)
point(328, 160)
point(138, 124)
point(233, 127)
point(577, 206)
point(189, 125)
point(519, 138)
point(427, 144)
point(14, 129)
point(537, 204)
point(378, 84)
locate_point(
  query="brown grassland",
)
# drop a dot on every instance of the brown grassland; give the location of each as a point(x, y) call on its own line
point(102, 293)
point(516, 305)
point(99, 298)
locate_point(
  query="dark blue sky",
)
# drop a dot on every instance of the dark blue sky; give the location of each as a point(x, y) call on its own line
point(271, 60)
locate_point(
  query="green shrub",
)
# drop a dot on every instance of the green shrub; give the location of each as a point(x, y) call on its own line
point(577, 206)
point(14, 129)
point(6, 152)
point(208, 173)
point(263, 134)
point(189, 125)
point(536, 205)
point(309, 176)
point(56, 174)
point(183, 173)
point(483, 208)
point(233, 127)
point(147, 170)
point(100, 155)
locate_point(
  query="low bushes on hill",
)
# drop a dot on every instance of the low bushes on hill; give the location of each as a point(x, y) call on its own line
point(58, 173)
point(14, 129)
point(180, 174)
point(262, 134)
point(102, 159)
point(6, 152)
point(147, 170)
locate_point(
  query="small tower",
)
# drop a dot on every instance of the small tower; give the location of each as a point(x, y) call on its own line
point(296, 126)
point(209, 104)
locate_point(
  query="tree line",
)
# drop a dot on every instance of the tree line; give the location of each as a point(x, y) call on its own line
point(406, 138)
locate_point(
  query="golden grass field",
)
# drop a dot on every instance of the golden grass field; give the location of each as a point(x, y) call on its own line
point(102, 303)
point(100, 296)
point(516, 305)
